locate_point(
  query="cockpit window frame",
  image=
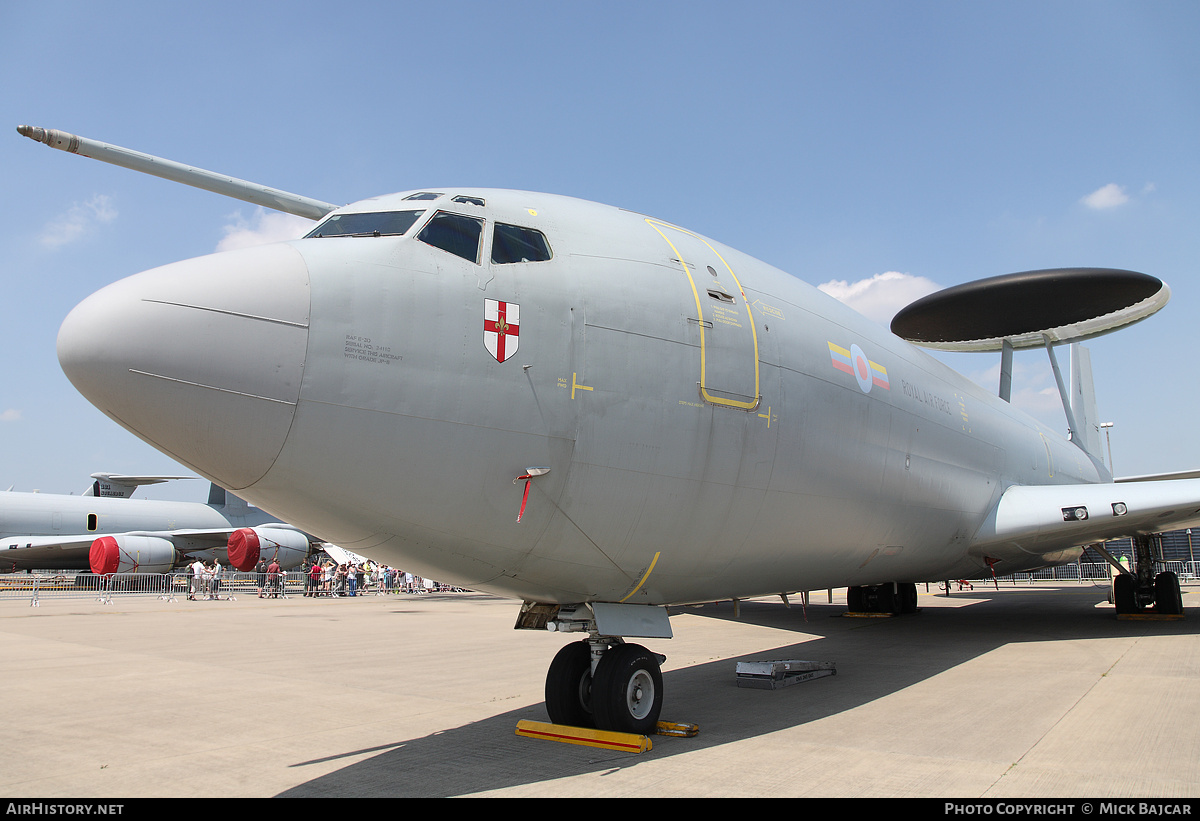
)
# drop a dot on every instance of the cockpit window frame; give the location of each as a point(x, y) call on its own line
point(447, 241)
point(368, 224)
point(512, 259)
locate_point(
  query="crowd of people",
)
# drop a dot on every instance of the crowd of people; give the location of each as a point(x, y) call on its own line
point(327, 578)
point(352, 579)
point(205, 582)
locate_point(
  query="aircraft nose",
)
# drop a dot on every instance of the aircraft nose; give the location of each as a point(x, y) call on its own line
point(203, 358)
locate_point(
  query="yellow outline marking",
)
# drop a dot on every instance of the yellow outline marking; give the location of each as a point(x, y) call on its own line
point(766, 416)
point(700, 315)
point(575, 384)
point(645, 576)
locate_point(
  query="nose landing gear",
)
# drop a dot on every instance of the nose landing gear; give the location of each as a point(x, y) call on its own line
point(606, 684)
point(602, 682)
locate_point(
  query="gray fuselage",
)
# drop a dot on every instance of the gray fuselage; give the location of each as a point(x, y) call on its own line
point(713, 427)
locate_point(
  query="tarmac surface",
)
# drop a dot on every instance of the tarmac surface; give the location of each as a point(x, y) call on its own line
point(1033, 691)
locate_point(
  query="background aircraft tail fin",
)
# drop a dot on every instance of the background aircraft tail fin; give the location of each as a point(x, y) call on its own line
point(1083, 404)
point(216, 495)
point(220, 497)
point(121, 486)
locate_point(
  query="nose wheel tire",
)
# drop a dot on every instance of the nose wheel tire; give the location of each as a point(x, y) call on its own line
point(627, 690)
point(569, 686)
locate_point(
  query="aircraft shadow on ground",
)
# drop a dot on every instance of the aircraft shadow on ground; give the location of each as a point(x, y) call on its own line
point(874, 658)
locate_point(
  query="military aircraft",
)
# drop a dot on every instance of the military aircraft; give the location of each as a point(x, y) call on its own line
point(603, 414)
point(108, 532)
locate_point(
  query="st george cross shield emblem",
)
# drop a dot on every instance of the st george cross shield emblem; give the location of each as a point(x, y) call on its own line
point(501, 328)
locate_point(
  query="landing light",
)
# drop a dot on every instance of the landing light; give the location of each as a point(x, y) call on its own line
point(1074, 514)
point(1119, 509)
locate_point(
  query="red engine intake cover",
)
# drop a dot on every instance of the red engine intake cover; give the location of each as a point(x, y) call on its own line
point(104, 556)
point(243, 549)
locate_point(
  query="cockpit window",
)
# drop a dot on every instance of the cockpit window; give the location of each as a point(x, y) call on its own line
point(424, 195)
point(374, 224)
point(512, 243)
point(454, 233)
point(467, 200)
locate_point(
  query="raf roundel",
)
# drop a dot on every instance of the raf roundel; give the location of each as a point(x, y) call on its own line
point(862, 368)
point(868, 374)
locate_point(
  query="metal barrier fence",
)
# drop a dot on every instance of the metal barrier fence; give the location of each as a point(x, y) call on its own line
point(1098, 571)
point(167, 586)
point(172, 586)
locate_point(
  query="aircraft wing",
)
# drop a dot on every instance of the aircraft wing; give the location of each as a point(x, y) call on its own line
point(1046, 518)
point(1183, 474)
point(72, 552)
point(57, 552)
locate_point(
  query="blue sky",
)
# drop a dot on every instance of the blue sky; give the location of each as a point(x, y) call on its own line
point(880, 149)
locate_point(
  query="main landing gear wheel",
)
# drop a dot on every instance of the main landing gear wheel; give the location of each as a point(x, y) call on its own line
point(1130, 599)
point(1167, 597)
point(627, 690)
point(898, 599)
point(1124, 594)
point(901, 599)
point(569, 686)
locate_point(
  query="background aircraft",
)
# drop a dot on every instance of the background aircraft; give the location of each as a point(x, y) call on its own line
point(108, 532)
point(122, 486)
point(602, 414)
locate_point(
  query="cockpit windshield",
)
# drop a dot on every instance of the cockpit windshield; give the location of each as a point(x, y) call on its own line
point(373, 224)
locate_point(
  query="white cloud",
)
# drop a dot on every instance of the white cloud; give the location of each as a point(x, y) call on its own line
point(10, 415)
point(1108, 196)
point(79, 220)
point(881, 296)
point(263, 228)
